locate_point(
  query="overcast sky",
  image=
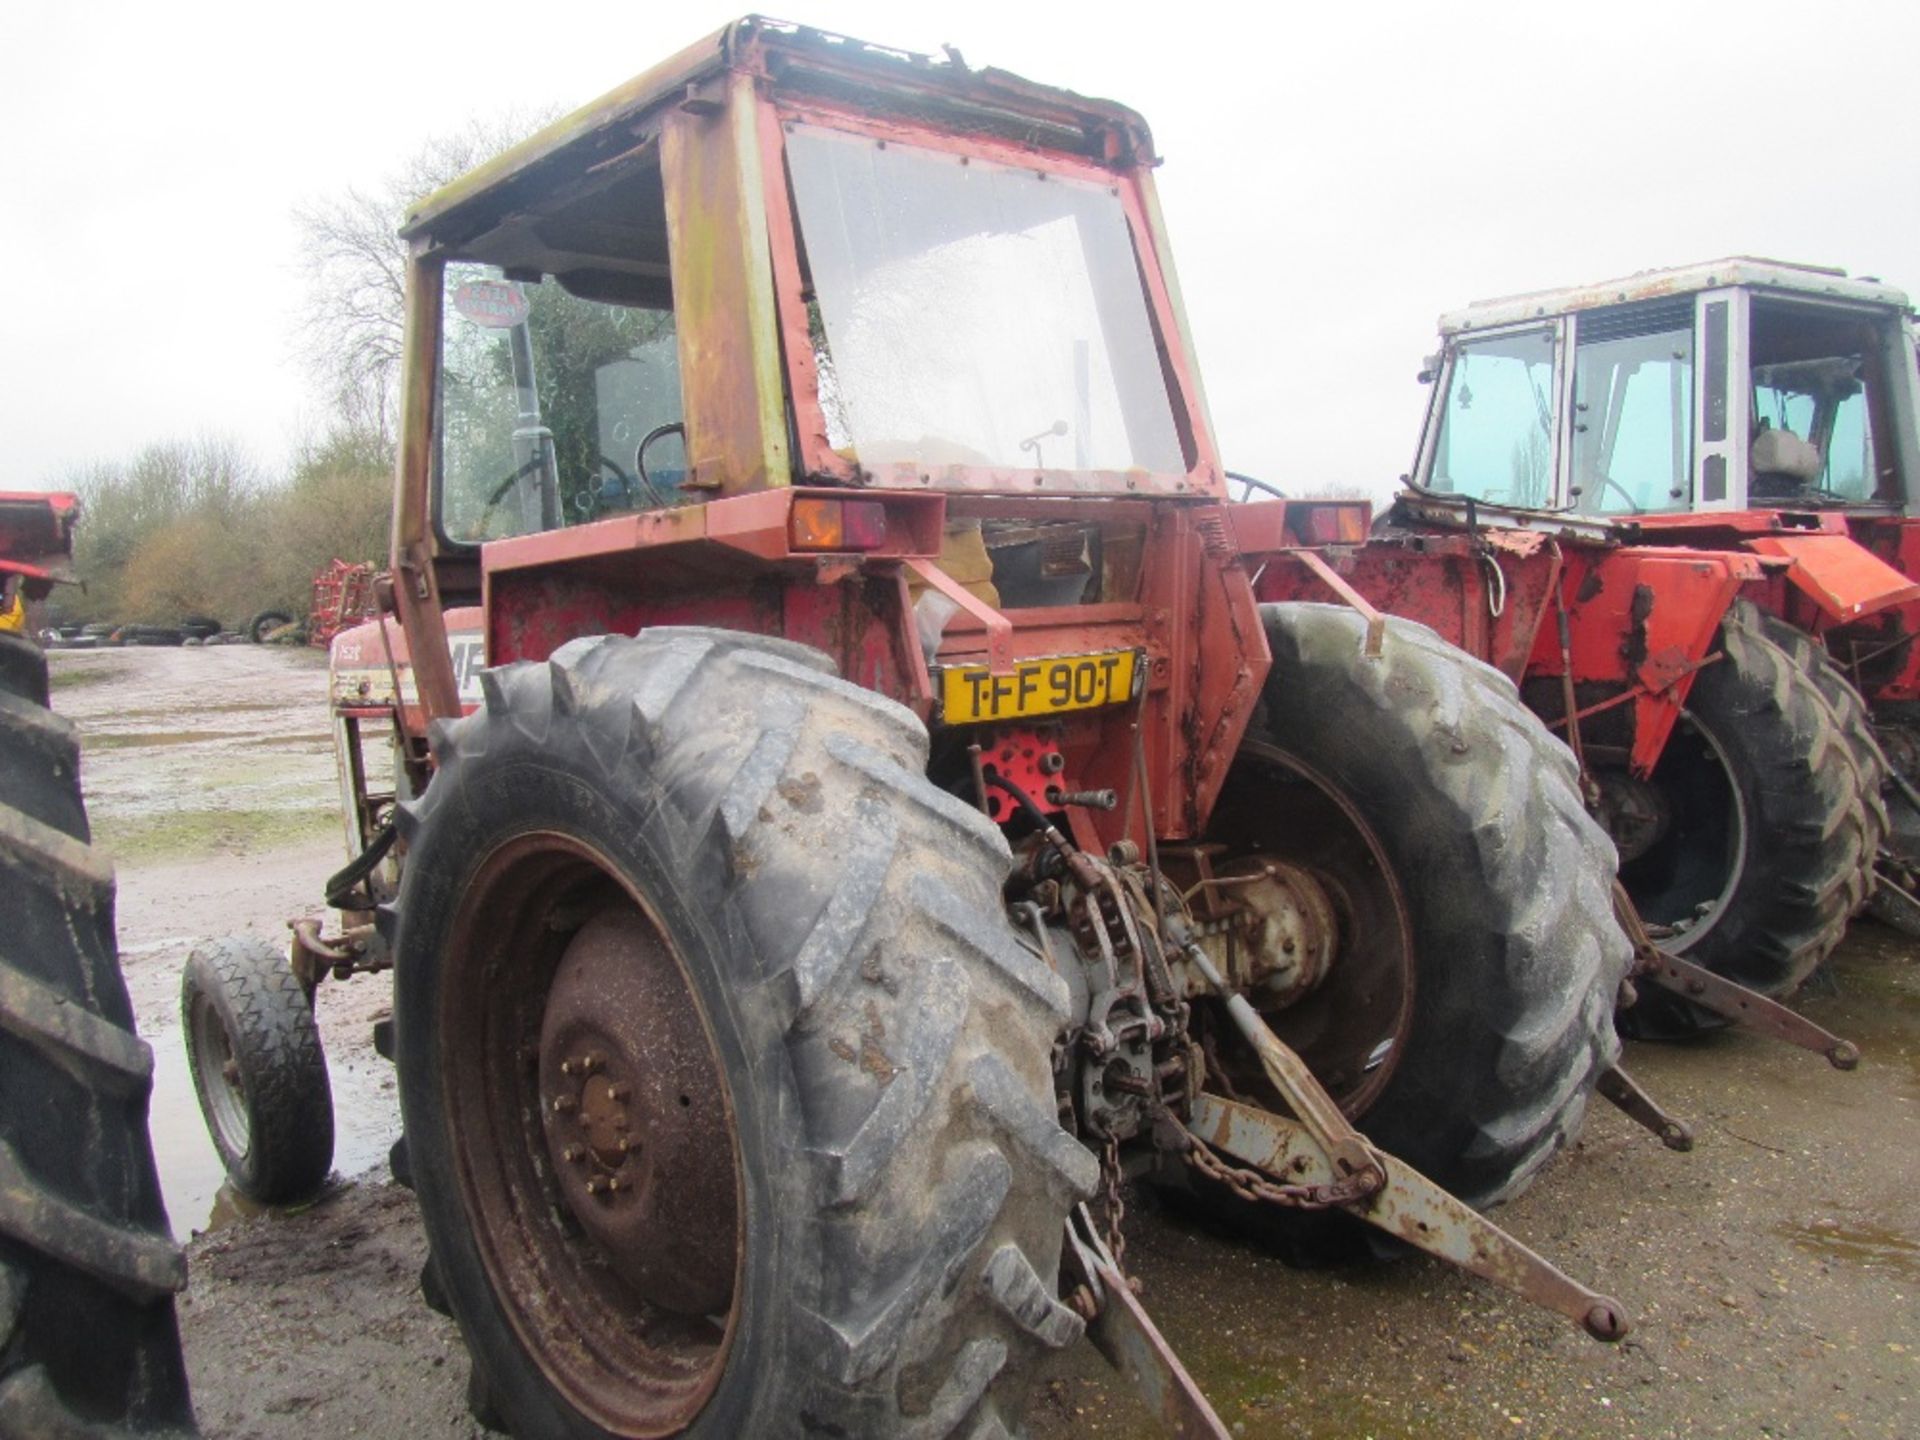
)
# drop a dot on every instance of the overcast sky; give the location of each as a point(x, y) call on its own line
point(1335, 177)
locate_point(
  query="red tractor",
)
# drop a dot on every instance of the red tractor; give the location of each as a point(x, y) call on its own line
point(848, 811)
point(36, 541)
point(1598, 509)
point(88, 1267)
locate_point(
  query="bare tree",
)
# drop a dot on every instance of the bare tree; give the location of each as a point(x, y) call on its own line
point(355, 264)
point(1529, 462)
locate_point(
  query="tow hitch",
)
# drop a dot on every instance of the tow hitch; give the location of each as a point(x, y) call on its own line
point(1316, 1162)
point(1322, 1151)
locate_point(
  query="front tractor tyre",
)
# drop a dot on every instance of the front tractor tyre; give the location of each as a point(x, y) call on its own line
point(258, 1070)
point(726, 1081)
point(1466, 1011)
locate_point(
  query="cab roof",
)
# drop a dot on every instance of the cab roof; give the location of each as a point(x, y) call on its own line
point(1814, 281)
point(817, 62)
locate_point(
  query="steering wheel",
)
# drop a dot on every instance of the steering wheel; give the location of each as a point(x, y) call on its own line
point(501, 490)
point(1607, 482)
point(588, 502)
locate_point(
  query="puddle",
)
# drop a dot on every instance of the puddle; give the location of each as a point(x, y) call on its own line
point(366, 1121)
point(1866, 1245)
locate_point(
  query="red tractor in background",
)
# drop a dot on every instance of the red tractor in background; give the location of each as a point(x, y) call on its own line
point(884, 819)
point(1665, 506)
point(36, 542)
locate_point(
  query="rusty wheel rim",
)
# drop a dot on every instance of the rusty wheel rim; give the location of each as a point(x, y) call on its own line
point(1352, 1029)
point(1684, 882)
point(593, 1136)
point(219, 1074)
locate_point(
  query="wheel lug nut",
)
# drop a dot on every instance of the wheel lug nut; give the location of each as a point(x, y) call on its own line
point(566, 1067)
point(620, 1094)
point(596, 1185)
point(591, 1061)
point(574, 1154)
point(614, 1182)
point(565, 1104)
point(627, 1144)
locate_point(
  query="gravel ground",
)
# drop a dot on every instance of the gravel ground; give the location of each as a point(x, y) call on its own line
point(1772, 1274)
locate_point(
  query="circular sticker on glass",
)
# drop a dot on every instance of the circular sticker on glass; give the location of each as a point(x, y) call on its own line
point(497, 304)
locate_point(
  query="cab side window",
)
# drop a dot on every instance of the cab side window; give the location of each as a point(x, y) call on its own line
point(559, 396)
point(1633, 410)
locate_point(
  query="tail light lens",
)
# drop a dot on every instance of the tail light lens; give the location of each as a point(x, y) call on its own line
point(1335, 524)
point(820, 524)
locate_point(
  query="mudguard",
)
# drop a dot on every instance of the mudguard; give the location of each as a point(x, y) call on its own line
point(1649, 617)
point(1844, 579)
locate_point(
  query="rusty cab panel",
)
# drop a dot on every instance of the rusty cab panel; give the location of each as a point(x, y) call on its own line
point(877, 353)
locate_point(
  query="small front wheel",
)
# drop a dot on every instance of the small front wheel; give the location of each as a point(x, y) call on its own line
point(258, 1069)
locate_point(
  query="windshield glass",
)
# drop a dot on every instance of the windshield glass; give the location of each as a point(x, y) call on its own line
point(974, 314)
point(1496, 421)
point(545, 400)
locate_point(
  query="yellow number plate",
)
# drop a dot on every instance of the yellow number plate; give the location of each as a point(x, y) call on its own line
point(969, 694)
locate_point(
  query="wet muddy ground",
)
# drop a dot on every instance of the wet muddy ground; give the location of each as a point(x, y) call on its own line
point(210, 782)
point(1773, 1274)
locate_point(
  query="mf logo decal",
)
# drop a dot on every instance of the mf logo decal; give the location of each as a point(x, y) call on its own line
point(469, 659)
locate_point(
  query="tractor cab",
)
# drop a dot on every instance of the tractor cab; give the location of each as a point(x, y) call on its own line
point(814, 339)
point(930, 316)
point(1731, 386)
point(785, 260)
point(1738, 405)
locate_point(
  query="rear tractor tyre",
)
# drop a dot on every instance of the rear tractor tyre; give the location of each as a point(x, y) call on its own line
point(726, 1081)
point(1855, 726)
point(258, 1069)
point(1465, 1017)
point(1768, 834)
point(88, 1269)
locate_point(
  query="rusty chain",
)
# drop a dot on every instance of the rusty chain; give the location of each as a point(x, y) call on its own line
point(1251, 1185)
point(1114, 1207)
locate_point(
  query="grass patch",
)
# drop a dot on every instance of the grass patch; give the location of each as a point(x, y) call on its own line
point(194, 834)
point(139, 739)
point(75, 677)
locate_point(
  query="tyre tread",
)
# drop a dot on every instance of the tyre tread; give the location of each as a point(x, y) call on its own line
point(1461, 731)
point(89, 1348)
